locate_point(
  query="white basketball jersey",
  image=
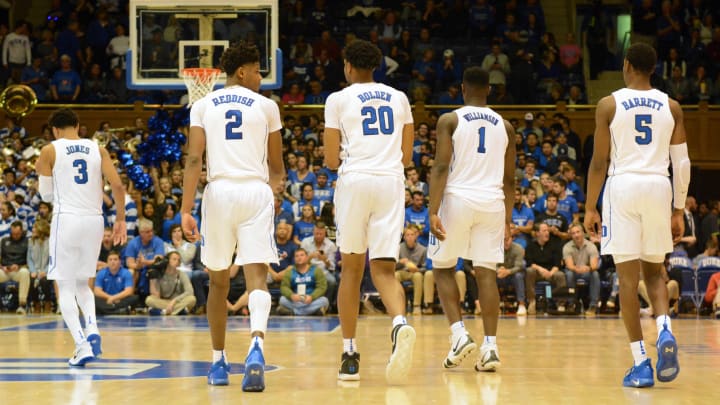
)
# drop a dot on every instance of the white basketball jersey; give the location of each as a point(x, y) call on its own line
point(237, 122)
point(77, 177)
point(370, 117)
point(640, 132)
point(480, 142)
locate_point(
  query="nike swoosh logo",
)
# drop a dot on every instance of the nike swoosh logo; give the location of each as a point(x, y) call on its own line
point(456, 345)
point(636, 382)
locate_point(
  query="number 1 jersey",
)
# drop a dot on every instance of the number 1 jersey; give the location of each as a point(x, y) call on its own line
point(77, 177)
point(237, 122)
point(370, 117)
point(640, 133)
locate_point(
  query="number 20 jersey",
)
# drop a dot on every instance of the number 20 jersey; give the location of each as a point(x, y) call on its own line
point(370, 117)
point(77, 177)
point(237, 122)
point(640, 133)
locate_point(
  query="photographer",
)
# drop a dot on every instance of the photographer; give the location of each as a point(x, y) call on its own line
point(170, 290)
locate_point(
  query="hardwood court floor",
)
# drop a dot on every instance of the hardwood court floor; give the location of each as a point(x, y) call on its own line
point(148, 360)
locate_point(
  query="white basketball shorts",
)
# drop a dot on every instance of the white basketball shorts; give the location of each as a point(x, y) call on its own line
point(369, 212)
point(237, 213)
point(470, 233)
point(74, 246)
point(636, 215)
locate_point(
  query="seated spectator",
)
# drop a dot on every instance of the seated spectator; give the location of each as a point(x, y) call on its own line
point(13, 262)
point(450, 69)
point(184, 248)
point(573, 189)
point(116, 87)
point(417, 214)
point(316, 95)
point(323, 191)
point(388, 32)
point(532, 149)
point(424, 73)
point(304, 226)
point(563, 151)
point(678, 86)
point(547, 162)
point(171, 293)
point(286, 248)
point(530, 126)
point(65, 83)
point(38, 259)
point(512, 272)
point(581, 262)
point(142, 252)
point(308, 198)
point(570, 54)
point(701, 86)
point(300, 176)
point(672, 61)
point(281, 214)
point(543, 259)
point(567, 205)
point(673, 292)
point(303, 288)
point(523, 220)
point(106, 246)
point(328, 44)
point(413, 182)
point(556, 222)
point(94, 85)
point(293, 95)
point(412, 265)
point(321, 252)
point(114, 290)
point(575, 96)
point(500, 96)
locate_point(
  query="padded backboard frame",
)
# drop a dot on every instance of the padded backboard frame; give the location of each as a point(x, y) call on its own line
point(135, 80)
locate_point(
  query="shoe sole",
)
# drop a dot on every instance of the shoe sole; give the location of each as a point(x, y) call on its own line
point(82, 362)
point(641, 383)
point(254, 380)
point(401, 359)
point(96, 343)
point(464, 353)
point(667, 365)
point(349, 377)
point(218, 381)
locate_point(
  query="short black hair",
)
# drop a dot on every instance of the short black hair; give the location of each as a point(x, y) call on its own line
point(63, 118)
point(474, 76)
point(16, 224)
point(642, 57)
point(363, 55)
point(239, 54)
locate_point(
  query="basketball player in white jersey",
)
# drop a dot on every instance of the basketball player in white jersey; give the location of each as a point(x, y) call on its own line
point(240, 129)
point(638, 132)
point(376, 126)
point(71, 174)
point(472, 192)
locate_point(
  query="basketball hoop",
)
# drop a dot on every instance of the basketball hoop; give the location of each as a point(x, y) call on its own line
point(199, 81)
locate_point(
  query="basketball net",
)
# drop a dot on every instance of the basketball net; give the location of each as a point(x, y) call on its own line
point(199, 82)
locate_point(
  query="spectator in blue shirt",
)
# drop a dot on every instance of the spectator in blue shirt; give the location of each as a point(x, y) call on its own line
point(573, 188)
point(37, 78)
point(523, 220)
point(7, 217)
point(567, 206)
point(114, 291)
point(316, 95)
point(65, 83)
point(323, 191)
point(142, 252)
point(304, 226)
point(451, 97)
point(417, 214)
point(286, 252)
point(307, 198)
point(282, 214)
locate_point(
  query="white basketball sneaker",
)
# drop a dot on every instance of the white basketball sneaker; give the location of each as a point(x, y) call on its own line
point(459, 350)
point(489, 360)
point(83, 354)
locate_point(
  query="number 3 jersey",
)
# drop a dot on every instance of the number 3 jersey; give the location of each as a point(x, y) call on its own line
point(370, 117)
point(77, 177)
point(237, 122)
point(640, 133)
point(480, 142)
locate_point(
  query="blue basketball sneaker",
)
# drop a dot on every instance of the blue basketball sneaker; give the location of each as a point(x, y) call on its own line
point(667, 364)
point(254, 379)
point(219, 373)
point(640, 376)
point(95, 342)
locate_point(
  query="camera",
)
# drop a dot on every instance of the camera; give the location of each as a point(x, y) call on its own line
point(157, 269)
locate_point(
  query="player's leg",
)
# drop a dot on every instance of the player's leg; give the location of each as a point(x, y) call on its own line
point(92, 230)
point(486, 249)
point(83, 351)
point(384, 227)
point(667, 365)
point(352, 214)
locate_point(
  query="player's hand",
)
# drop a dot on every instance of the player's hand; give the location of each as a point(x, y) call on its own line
point(119, 233)
point(677, 224)
point(592, 222)
point(436, 227)
point(190, 228)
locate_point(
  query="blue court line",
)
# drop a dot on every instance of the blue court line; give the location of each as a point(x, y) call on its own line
point(190, 323)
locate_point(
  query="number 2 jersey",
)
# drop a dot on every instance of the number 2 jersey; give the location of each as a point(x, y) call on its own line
point(77, 177)
point(370, 117)
point(480, 142)
point(237, 122)
point(640, 133)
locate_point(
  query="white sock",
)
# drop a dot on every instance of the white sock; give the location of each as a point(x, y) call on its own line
point(219, 354)
point(86, 302)
point(661, 321)
point(349, 345)
point(69, 309)
point(638, 351)
point(490, 340)
point(458, 331)
point(259, 302)
point(399, 320)
point(259, 341)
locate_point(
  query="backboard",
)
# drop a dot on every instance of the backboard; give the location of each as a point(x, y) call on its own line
point(167, 36)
